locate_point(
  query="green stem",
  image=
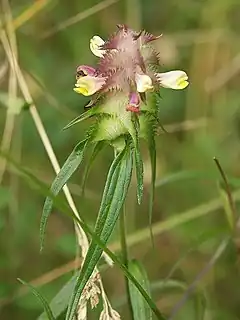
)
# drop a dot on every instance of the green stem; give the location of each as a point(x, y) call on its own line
point(125, 254)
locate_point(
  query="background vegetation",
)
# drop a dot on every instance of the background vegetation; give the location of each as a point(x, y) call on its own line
point(203, 121)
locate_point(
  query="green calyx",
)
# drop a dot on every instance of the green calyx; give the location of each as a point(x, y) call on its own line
point(113, 122)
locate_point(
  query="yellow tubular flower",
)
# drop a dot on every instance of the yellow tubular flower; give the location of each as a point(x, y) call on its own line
point(176, 79)
point(144, 82)
point(95, 43)
point(88, 85)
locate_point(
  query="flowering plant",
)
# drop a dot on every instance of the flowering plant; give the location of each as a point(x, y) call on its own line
point(124, 89)
point(122, 84)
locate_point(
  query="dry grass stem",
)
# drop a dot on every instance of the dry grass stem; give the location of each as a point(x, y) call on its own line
point(79, 17)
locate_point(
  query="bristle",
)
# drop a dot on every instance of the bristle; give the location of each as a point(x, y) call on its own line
point(137, 35)
point(112, 42)
point(117, 80)
point(150, 55)
point(117, 60)
point(148, 37)
point(122, 27)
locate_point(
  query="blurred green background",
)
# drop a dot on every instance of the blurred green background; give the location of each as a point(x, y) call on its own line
point(203, 121)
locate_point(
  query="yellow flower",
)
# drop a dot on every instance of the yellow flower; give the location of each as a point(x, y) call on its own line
point(95, 45)
point(144, 82)
point(89, 85)
point(176, 79)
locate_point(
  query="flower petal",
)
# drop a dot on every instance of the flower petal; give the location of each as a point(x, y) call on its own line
point(134, 102)
point(176, 79)
point(88, 85)
point(95, 45)
point(134, 99)
point(144, 82)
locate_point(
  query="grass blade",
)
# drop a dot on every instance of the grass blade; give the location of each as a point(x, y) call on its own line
point(229, 204)
point(43, 301)
point(218, 253)
point(69, 167)
point(141, 310)
point(114, 195)
point(227, 208)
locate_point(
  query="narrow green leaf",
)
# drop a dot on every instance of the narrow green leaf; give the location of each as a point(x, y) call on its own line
point(80, 118)
point(138, 162)
point(152, 153)
point(114, 186)
point(114, 195)
point(97, 148)
point(67, 170)
point(41, 299)
point(141, 310)
point(59, 303)
point(139, 173)
point(61, 205)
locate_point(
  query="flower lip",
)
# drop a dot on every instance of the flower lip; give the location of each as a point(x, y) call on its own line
point(176, 79)
point(89, 85)
point(95, 46)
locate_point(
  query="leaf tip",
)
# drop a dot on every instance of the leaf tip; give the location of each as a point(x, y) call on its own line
point(65, 127)
point(139, 199)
